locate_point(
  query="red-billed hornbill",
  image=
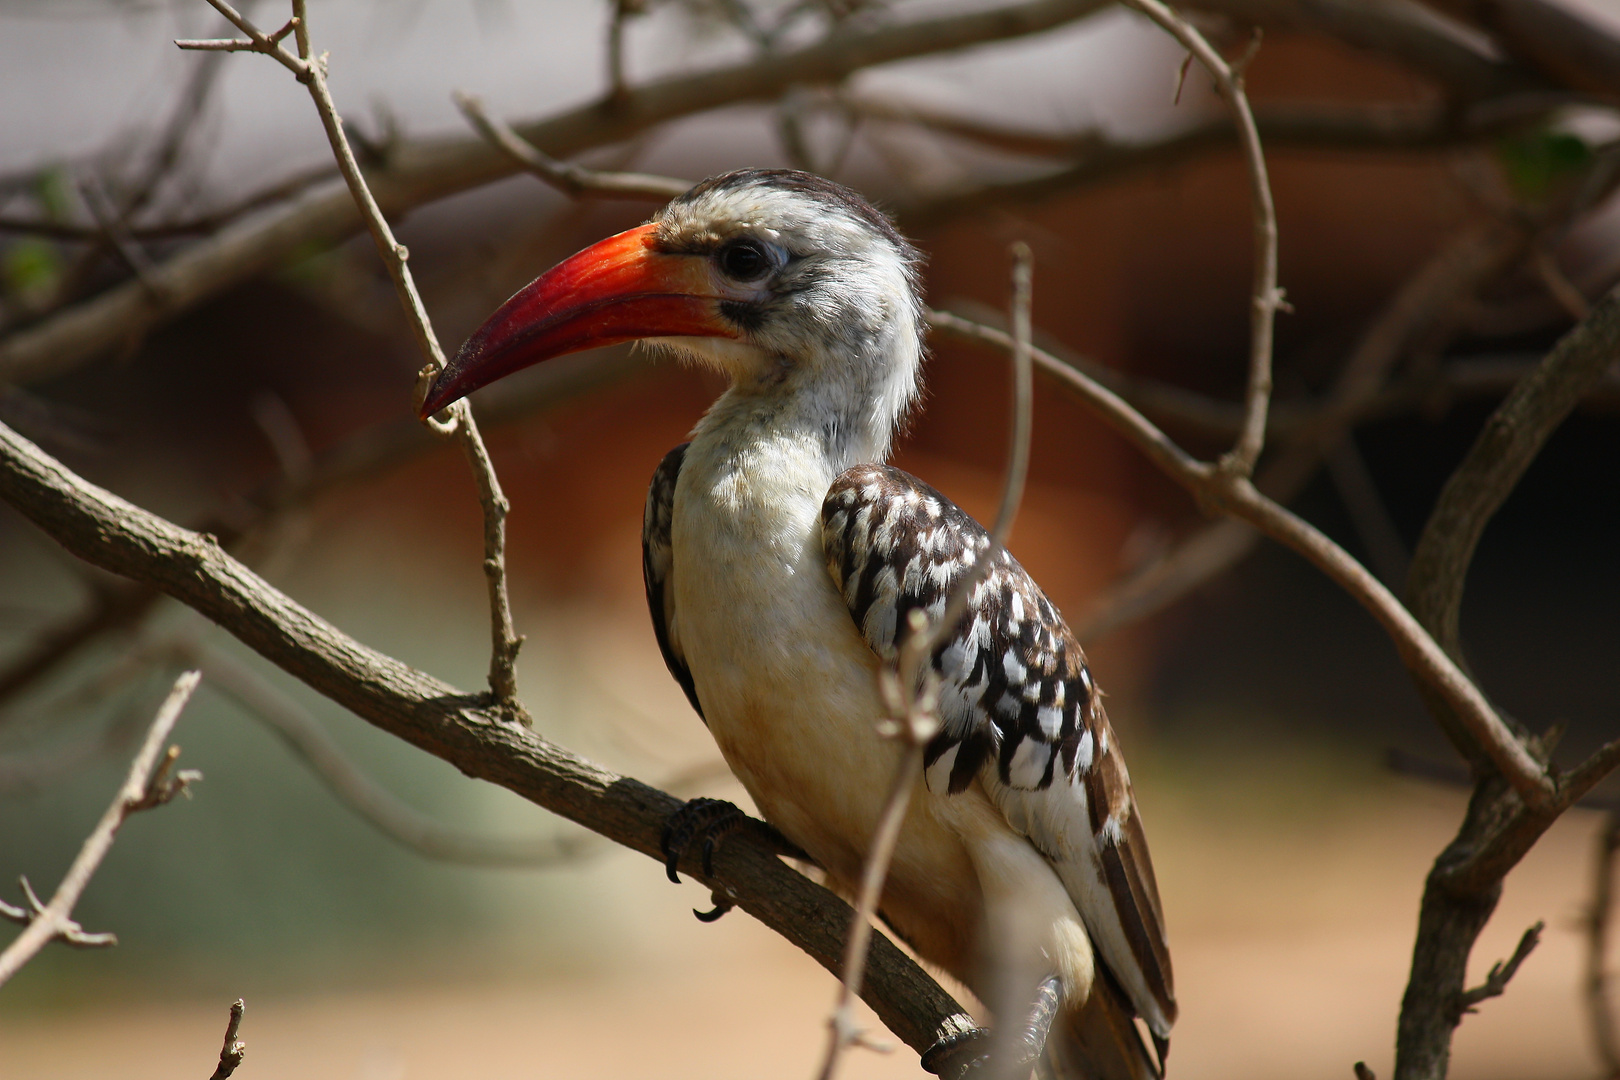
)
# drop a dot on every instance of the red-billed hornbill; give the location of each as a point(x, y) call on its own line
point(782, 558)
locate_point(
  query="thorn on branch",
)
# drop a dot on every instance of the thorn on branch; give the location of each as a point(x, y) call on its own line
point(1364, 1073)
point(234, 1050)
point(1501, 972)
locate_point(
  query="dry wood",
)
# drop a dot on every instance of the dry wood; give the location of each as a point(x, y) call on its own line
point(458, 727)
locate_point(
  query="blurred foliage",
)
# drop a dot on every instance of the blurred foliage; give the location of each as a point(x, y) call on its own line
point(1540, 161)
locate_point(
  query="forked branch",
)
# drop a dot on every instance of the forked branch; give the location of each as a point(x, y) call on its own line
point(147, 785)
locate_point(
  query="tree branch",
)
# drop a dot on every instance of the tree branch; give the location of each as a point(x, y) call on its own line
point(142, 789)
point(422, 171)
point(1499, 828)
point(1266, 297)
point(311, 71)
point(571, 179)
point(234, 1050)
point(457, 727)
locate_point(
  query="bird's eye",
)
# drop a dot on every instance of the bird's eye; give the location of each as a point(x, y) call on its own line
point(744, 260)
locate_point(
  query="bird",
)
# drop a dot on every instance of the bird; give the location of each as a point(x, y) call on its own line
point(782, 560)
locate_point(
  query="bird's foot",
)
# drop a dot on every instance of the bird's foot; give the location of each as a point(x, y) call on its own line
point(964, 1054)
point(712, 819)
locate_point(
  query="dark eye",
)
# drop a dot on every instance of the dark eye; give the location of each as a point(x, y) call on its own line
point(744, 260)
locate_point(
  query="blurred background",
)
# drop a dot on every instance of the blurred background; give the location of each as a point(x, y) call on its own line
point(1258, 705)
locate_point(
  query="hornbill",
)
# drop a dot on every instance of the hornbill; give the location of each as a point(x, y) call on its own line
point(782, 558)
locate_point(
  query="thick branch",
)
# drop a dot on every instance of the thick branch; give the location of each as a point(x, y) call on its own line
point(115, 535)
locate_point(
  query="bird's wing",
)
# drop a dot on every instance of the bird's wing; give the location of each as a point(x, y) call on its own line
point(1020, 712)
point(656, 561)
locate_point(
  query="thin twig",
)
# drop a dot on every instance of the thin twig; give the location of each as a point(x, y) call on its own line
point(1267, 298)
point(566, 176)
point(909, 689)
point(1501, 972)
point(311, 71)
point(234, 1050)
point(1599, 1012)
point(142, 789)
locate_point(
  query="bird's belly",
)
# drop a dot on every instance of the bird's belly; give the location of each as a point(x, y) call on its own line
point(788, 690)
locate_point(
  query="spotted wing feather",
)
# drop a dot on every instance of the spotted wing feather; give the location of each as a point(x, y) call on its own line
point(1019, 710)
point(657, 559)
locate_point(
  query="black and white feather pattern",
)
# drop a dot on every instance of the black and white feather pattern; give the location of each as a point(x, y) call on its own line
point(1020, 712)
point(657, 560)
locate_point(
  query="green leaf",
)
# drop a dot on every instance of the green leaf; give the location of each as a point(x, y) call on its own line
point(30, 267)
point(1538, 162)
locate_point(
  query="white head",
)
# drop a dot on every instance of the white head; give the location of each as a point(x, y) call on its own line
point(795, 287)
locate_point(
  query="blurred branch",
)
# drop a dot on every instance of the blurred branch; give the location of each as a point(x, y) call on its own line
point(457, 727)
point(147, 785)
point(458, 419)
point(1562, 42)
point(567, 177)
point(1496, 980)
point(1238, 497)
point(1428, 307)
point(370, 453)
point(1266, 296)
point(234, 1050)
point(1599, 1010)
point(422, 171)
point(1500, 825)
point(909, 688)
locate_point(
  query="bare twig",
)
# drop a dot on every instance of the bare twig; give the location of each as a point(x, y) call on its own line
point(566, 176)
point(1497, 979)
point(311, 71)
point(1499, 826)
point(419, 172)
point(234, 1050)
point(147, 785)
point(458, 727)
point(1267, 298)
point(1600, 1014)
point(910, 689)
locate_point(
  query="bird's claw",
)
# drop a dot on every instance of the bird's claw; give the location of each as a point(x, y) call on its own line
point(722, 904)
point(963, 1054)
point(713, 819)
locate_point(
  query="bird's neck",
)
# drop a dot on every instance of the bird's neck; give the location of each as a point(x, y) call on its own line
point(828, 412)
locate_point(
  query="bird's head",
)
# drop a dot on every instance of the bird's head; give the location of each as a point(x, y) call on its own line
point(771, 276)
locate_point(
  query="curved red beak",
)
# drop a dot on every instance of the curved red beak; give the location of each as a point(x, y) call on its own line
point(621, 289)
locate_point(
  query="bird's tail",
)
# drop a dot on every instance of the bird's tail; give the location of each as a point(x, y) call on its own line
point(1098, 1041)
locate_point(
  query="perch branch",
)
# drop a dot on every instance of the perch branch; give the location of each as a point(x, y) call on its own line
point(460, 728)
point(147, 785)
